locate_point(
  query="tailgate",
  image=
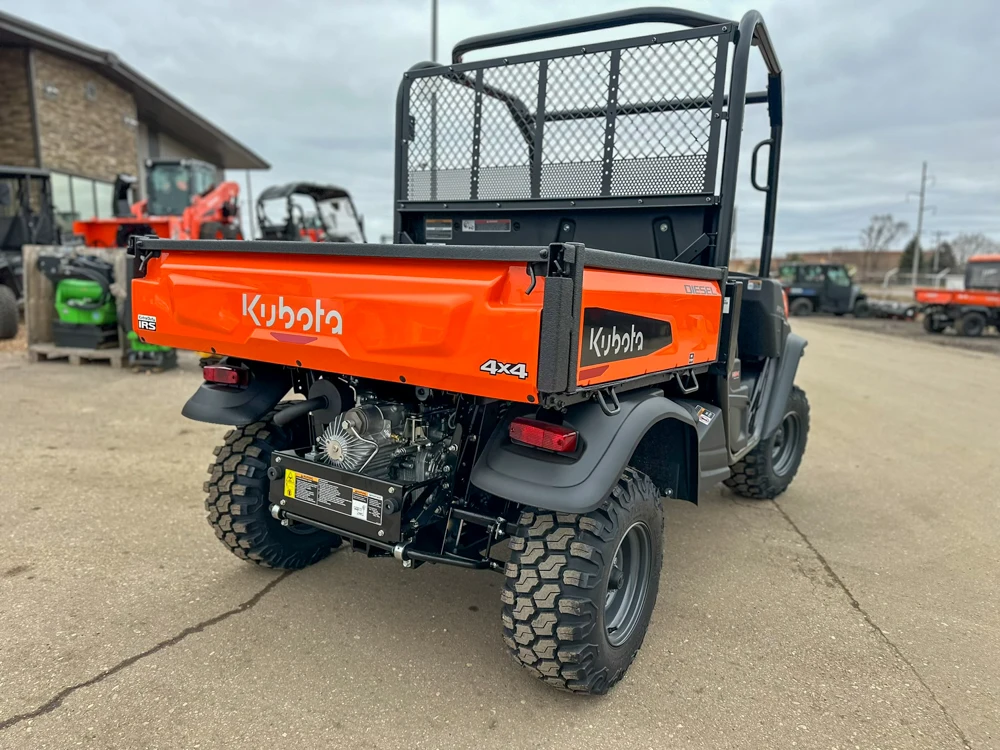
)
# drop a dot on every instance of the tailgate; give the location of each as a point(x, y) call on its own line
point(512, 323)
point(446, 323)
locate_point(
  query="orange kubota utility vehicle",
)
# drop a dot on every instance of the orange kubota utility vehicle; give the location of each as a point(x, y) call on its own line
point(968, 310)
point(553, 345)
point(184, 201)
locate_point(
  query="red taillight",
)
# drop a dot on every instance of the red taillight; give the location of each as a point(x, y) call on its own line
point(544, 435)
point(224, 375)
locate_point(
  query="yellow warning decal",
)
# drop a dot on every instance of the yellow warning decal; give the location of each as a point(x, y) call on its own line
point(295, 480)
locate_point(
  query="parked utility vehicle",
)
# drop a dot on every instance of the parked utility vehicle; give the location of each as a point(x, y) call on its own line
point(307, 212)
point(822, 287)
point(969, 311)
point(26, 218)
point(552, 346)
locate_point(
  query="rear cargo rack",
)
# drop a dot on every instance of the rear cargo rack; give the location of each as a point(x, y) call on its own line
point(650, 122)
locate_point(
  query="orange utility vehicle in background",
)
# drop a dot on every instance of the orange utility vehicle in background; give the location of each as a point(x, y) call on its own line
point(308, 212)
point(184, 201)
point(968, 310)
point(553, 344)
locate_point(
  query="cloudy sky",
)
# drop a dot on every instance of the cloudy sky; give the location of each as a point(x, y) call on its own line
point(873, 88)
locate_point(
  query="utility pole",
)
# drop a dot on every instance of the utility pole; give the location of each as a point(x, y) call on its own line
point(920, 219)
point(434, 30)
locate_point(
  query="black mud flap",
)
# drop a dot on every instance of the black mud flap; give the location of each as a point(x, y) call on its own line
point(221, 404)
point(667, 439)
point(781, 387)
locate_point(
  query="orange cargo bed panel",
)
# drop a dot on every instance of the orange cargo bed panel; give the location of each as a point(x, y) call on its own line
point(635, 324)
point(978, 298)
point(105, 232)
point(460, 326)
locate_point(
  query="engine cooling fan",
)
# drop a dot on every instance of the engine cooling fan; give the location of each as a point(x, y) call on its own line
point(344, 448)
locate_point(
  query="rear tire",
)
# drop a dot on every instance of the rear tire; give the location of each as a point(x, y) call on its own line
point(9, 317)
point(767, 470)
point(800, 307)
point(972, 324)
point(238, 507)
point(861, 309)
point(580, 589)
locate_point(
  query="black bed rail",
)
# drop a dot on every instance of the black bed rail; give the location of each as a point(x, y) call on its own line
point(614, 19)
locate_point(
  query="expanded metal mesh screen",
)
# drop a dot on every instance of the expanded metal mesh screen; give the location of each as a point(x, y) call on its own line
point(636, 120)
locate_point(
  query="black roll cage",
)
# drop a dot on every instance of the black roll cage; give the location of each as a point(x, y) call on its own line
point(749, 32)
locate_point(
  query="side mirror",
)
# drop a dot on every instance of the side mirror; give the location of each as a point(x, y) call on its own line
point(6, 197)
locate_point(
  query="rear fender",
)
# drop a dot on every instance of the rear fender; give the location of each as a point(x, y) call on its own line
point(781, 385)
point(655, 434)
point(220, 404)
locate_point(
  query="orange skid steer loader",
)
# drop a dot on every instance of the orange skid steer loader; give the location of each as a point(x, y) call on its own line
point(553, 344)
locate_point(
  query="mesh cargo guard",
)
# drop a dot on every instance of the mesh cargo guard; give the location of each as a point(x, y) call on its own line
point(628, 118)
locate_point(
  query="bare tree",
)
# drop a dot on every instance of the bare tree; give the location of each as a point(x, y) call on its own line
point(967, 245)
point(880, 233)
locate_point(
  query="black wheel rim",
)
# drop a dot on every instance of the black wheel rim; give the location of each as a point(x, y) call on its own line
point(786, 444)
point(628, 584)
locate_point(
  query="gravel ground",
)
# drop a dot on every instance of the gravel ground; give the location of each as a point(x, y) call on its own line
point(988, 343)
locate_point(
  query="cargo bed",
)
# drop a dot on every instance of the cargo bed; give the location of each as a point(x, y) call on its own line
point(517, 323)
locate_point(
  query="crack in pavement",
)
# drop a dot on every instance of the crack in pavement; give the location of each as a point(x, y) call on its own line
point(53, 703)
point(868, 618)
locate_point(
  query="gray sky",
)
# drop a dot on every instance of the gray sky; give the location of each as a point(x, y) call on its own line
point(872, 89)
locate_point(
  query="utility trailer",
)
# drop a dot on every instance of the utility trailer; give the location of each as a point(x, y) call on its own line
point(552, 345)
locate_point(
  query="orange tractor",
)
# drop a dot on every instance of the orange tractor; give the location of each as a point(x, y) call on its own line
point(968, 310)
point(184, 201)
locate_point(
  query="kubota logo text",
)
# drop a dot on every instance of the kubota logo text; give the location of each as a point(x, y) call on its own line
point(312, 318)
point(610, 335)
point(603, 343)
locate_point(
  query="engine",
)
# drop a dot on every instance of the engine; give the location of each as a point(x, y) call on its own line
point(389, 440)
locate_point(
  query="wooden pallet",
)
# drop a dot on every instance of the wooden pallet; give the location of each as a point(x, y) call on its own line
point(76, 356)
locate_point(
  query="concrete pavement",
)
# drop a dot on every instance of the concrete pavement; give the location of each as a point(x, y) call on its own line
point(859, 611)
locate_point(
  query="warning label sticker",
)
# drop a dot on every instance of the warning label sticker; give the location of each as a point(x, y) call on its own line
point(365, 506)
point(437, 229)
point(485, 225)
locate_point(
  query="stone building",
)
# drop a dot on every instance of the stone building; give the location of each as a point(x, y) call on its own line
point(86, 116)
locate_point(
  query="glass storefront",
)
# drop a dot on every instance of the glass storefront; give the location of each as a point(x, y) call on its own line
point(79, 198)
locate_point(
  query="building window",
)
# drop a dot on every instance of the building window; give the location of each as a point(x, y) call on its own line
point(84, 200)
point(105, 199)
point(62, 201)
point(90, 91)
point(79, 199)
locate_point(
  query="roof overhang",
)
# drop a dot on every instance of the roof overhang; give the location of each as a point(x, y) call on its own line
point(154, 105)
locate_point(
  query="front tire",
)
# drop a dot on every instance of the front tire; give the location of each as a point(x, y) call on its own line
point(238, 507)
point(8, 313)
point(580, 589)
point(767, 470)
point(933, 324)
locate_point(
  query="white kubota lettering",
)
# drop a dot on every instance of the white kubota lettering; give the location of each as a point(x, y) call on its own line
point(310, 318)
point(603, 344)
